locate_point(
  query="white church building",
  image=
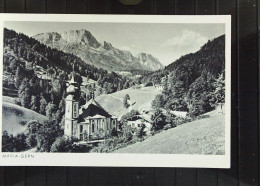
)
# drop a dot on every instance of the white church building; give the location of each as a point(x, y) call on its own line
point(89, 121)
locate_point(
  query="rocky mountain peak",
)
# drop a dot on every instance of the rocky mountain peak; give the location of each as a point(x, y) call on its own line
point(150, 61)
point(107, 46)
point(82, 36)
point(49, 38)
point(84, 45)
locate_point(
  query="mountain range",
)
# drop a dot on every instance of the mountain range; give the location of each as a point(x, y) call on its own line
point(85, 46)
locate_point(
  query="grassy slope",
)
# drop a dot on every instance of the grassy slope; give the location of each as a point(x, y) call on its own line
point(13, 114)
point(205, 136)
point(141, 97)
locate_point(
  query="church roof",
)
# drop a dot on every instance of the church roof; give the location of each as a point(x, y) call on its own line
point(92, 109)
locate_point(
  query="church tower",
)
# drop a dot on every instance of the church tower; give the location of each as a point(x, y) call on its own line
point(71, 109)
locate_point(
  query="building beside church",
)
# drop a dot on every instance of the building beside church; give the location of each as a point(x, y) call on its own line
point(159, 87)
point(91, 121)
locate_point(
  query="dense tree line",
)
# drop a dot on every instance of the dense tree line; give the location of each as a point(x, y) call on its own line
point(53, 61)
point(45, 137)
point(24, 55)
point(193, 83)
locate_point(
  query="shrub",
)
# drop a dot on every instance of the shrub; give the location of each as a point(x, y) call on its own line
point(31, 140)
point(167, 126)
point(63, 144)
point(140, 133)
point(47, 134)
point(23, 122)
point(12, 143)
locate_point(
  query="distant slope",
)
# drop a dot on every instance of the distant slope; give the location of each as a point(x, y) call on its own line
point(13, 115)
point(140, 98)
point(205, 136)
point(84, 45)
point(209, 60)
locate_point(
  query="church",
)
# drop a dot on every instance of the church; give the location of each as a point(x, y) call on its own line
point(90, 121)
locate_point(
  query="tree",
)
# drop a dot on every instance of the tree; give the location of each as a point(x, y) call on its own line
point(7, 145)
point(35, 103)
point(125, 102)
point(19, 77)
point(140, 133)
point(99, 91)
point(158, 102)
point(200, 95)
point(12, 143)
point(47, 134)
point(63, 144)
point(31, 140)
point(220, 89)
point(158, 119)
point(25, 98)
point(51, 110)
point(43, 104)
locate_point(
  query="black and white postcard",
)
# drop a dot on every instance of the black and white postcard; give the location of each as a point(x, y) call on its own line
point(110, 90)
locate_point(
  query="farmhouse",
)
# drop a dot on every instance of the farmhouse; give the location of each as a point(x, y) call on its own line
point(89, 121)
point(137, 121)
point(159, 87)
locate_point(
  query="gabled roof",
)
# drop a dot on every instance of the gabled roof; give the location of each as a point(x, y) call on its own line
point(91, 109)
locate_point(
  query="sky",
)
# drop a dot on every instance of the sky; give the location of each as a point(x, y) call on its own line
point(165, 41)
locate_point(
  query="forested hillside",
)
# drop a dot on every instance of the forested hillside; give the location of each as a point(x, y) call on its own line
point(37, 74)
point(195, 82)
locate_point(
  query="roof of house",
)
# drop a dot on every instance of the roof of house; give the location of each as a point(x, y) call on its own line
point(93, 110)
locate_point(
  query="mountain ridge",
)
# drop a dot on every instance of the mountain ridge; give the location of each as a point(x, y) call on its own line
point(84, 45)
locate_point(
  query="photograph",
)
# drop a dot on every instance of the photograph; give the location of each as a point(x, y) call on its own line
point(115, 90)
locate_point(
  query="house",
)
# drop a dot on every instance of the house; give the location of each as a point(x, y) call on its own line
point(159, 87)
point(181, 114)
point(137, 121)
point(89, 121)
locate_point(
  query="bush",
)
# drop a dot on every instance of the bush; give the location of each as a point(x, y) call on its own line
point(12, 143)
point(23, 122)
point(106, 146)
point(31, 141)
point(140, 133)
point(63, 144)
point(46, 135)
point(168, 126)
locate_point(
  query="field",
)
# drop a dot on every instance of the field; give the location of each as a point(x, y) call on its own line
point(141, 100)
point(14, 116)
point(204, 136)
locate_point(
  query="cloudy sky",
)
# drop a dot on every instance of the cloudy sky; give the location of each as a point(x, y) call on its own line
point(167, 42)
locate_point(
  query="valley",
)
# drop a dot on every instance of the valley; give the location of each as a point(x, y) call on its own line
point(135, 96)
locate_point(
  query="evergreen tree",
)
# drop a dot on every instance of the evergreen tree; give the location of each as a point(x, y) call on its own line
point(140, 133)
point(25, 98)
point(35, 103)
point(220, 89)
point(51, 110)
point(158, 102)
point(125, 102)
point(19, 77)
point(43, 104)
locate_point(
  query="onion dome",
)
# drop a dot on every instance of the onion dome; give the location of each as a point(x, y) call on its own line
point(71, 86)
point(71, 89)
